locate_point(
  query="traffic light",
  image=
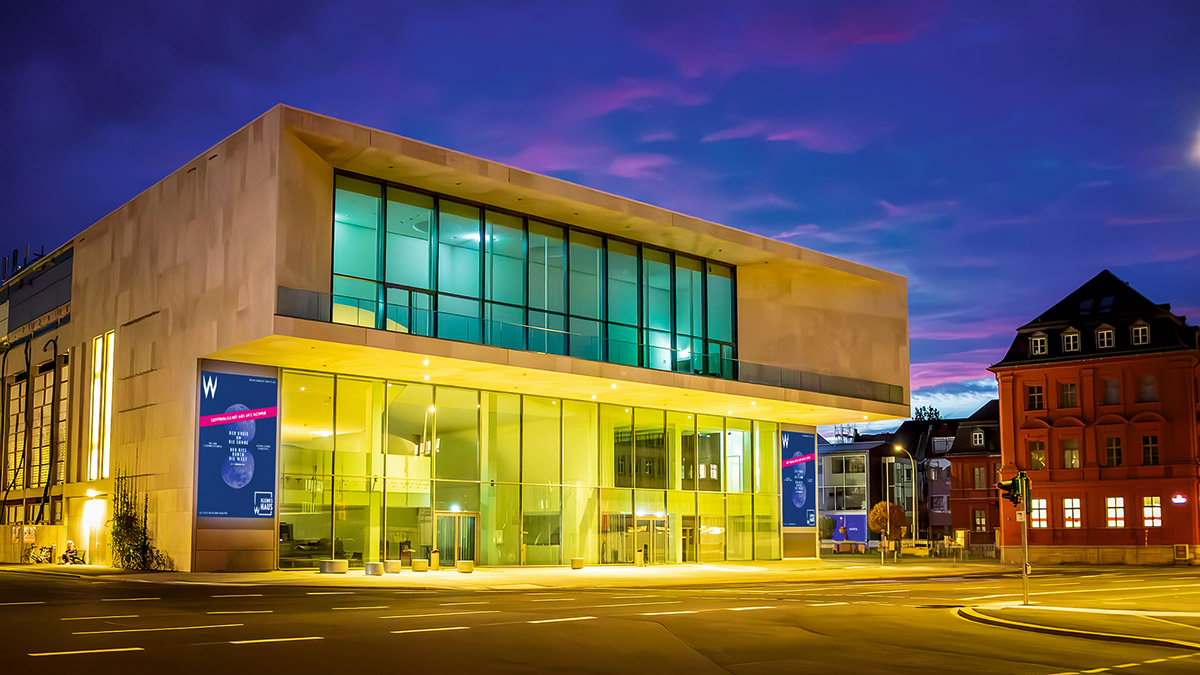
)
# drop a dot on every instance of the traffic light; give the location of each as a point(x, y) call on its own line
point(1011, 489)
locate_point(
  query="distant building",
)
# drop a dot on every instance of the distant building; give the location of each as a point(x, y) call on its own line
point(927, 441)
point(974, 464)
point(1099, 403)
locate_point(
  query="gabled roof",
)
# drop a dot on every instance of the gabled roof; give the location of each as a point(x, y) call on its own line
point(987, 420)
point(1104, 301)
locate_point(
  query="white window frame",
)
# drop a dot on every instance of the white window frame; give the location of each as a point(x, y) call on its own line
point(1037, 345)
point(1039, 514)
point(977, 438)
point(1105, 338)
point(1070, 341)
point(1140, 334)
point(1152, 511)
point(1077, 463)
point(980, 524)
point(1114, 512)
point(1072, 513)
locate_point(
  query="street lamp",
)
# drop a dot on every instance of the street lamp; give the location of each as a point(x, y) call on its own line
point(900, 448)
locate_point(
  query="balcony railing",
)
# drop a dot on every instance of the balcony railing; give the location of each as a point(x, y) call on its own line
point(314, 306)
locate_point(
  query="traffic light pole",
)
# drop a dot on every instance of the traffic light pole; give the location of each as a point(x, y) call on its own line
point(1025, 557)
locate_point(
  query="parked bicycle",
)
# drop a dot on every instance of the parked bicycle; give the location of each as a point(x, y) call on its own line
point(38, 555)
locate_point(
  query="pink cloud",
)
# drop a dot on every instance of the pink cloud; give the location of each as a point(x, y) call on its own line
point(933, 374)
point(553, 155)
point(955, 326)
point(626, 93)
point(1148, 219)
point(657, 136)
point(834, 137)
point(769, 199)
point(638, 166)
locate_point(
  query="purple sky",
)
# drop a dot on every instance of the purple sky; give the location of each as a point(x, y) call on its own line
point(998, 154)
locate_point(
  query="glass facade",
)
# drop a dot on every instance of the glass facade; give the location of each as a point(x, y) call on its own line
point(383, 470)
point(415, 262)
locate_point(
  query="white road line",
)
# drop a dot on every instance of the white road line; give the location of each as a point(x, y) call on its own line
point(629, 597)
point(418, 616)
point(1088, 610)
point(678, 611)
point(126, 599)
point(244, 611)
point(371, 607)
point(898, 590)
point(431, 630)
point(746, 609)
point(330, 593)
point(154, 630)
point(31, 602)
point(827, 604)
point(637, 604)
point(553, 600)
point(111, 616)
point(451, 604)
point(1115, 589)
point(291, 639)
point(570, 618)
point(91, 651)
point(239, 595)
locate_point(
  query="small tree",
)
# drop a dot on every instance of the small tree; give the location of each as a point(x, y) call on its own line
point(825, 525)
point(888, 520)
point(927, 413)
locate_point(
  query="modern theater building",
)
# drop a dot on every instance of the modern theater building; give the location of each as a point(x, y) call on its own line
point(318, 340)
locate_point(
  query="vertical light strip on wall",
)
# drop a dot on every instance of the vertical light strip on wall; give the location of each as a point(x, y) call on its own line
point(101, 405)
point(108, 378)
point(96, 412)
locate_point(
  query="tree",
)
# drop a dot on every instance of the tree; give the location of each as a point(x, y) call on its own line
point(826, 525)
point(887, 519)
point(927, 413)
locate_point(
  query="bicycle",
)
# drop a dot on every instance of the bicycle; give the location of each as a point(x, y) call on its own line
point(38, 555)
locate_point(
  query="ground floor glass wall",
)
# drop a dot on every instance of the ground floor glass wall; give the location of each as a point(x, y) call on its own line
point(375, 470)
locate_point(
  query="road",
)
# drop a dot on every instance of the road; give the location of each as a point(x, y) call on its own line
point(105, 625)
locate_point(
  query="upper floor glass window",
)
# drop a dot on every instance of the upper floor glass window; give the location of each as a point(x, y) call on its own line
point(1033, 397)
point(411, 261)
point(1037, 345)
point(977, 437)
point(1104, 338)
point(1071, 341)
point(1141, 334)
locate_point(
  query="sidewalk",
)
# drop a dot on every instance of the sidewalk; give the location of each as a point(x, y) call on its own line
point(519, 578)
point(1163, 628)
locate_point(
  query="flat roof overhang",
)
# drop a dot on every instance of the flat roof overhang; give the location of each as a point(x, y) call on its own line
point(366, 352)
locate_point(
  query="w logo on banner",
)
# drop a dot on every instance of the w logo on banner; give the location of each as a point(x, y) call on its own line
point(209, 387)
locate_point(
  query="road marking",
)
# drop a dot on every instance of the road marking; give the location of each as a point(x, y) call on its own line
point(418, 616)
point(1091, 610)
point(826, 604)
point(330, 593)
point(553, 600)
point(153, 630)
point(1078, 590)
point(111, 616)
point(1094, 670)
point(91, 651)
point(1127, 665)
point(1154, 661)
point(126, 599)
point(31, 602)
point(244, 611)
point(638, 604)
point(261, 640)
point(746, 609)
point(898, 590)
point(569, 618)
point(1160, 595)
point(1183, 656)
point(678, 611)
point(629, 597)
point(370, 607)
point(450, 604)
point(240, 595)
point(431, 630)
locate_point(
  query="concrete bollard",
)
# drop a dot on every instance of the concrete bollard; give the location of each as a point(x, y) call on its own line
point(374, 569)
point(334, 566)
point(420, 565)
point(576, 563)
point(393, 566)
point(465, 566)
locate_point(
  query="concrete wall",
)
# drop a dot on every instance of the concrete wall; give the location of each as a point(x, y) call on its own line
point(1099, 555)
point(185, 268)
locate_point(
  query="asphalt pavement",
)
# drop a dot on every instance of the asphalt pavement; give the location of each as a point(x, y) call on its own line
point(106, 623)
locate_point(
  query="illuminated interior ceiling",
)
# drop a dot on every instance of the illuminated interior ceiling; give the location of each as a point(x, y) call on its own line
point(442, 362)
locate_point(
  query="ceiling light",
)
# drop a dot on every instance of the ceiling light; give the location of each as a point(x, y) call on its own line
point(426, 378)
point(425, 362)
point(613, 385)
point(593, 397)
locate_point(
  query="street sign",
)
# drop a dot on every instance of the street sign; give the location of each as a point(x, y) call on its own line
point(1020, 516)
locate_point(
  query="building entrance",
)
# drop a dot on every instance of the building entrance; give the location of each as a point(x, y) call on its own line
point(650, 537)
point(456, 537)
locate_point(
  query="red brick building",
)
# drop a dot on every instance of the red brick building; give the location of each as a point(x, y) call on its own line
point(1099, 403)
point(974, 464)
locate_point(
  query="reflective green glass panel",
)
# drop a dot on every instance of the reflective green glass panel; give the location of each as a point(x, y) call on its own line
point(586, 340)
point(622, 283)
point(739, 462)
point(650, 449)
point(710, 431)
point(409, 224)
point(457, 425)
point(505, 325)
point(459, 319)
point(711, 525)
point(355, 301)
point(623, 345)
point(306, 423)
point(356, 205)
point(409, 436)
point(581, 524)
point(502, 434)
point(689, 296)
point(542, 516)
point(656, 290)
point(458, 249)
point(547, 261)
point(587, 259)
point(500, 530)
point(720, 302)
point(581, 436)
point(358, 437)
point(505, 258)
point(409, 312)
point(547, 332)
point(739, 532)
point(681, 450)
point(616, 446)
point(541, 459)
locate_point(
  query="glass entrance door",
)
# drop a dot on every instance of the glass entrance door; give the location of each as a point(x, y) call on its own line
point(651, 539)
point(456, 537)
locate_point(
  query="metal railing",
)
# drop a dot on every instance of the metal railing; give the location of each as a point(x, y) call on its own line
point(316, 306)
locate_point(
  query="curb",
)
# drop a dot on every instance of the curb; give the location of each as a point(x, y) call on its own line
point(972, 615)
point(55, 573)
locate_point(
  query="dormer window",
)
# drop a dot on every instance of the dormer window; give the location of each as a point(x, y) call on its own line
point(1141, 334)
point(977, 438)
point(1104, 338)
point(1070, 341)
point(1037, 345)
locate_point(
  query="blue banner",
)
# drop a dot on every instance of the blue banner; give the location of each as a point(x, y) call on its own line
point(236, 465)
point(799, 479)
point(852, 527)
